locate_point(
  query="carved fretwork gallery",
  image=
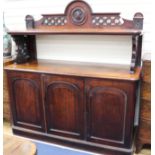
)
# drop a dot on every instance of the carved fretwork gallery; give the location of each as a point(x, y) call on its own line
point(91, 107)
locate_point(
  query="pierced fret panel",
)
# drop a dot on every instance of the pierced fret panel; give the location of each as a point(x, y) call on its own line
point(107, 21)
point(54, 21)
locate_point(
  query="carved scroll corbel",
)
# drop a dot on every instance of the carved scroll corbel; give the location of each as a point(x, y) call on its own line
point(23, 54)
point(134, 53)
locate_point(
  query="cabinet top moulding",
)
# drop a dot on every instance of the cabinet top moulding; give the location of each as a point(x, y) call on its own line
point(78, 18)
point(90, 31)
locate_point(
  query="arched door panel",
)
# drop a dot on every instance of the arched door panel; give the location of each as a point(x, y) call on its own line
point(64, 106)
point(26, 100)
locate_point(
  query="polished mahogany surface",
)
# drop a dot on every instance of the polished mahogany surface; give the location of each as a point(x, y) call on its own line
point(105, 31)
point(86, 105)
point(144, 129)
point(78, 69)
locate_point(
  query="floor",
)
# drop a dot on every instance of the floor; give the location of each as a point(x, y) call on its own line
point(7, 130)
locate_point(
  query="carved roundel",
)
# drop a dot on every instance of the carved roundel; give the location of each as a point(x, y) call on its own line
point(78, 16)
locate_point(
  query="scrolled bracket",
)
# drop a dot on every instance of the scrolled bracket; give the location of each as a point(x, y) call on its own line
point(134, 53)
point(23, 54)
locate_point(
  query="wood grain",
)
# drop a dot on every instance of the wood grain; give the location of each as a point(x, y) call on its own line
point(84, 104)
point(78, 69)
point(110, 103)
point(88, 31)
point(66, 109)
point(64, 105)
point(6, 100)
point(26, 100)
point(144, 129)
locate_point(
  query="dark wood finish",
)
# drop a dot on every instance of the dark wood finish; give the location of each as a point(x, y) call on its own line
point(64, 105)
point(23, 55)
point(26, 100)
point(139, 49)
point(144, 130)
point(78, 31)
point(31, 46)
point(79, 14)
point(110, 105)
point(29, 21)
point(84, 105)
point(6, 109)
point(79, 111)
point(75, 143)
point(26, 48)
point(119, 72)
point(78, 18)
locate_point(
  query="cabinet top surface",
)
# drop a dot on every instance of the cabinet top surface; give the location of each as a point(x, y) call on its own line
point(77, 69)
point(7, 61)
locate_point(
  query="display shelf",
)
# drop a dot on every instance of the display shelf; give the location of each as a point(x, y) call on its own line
point(105, 31)
point(78, 18)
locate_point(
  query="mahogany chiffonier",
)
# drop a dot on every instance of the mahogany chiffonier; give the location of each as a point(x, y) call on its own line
point(144, 129)
point(89, 107)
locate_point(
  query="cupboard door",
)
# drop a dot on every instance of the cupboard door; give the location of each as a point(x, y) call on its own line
point(26, 101)
point(110, 107)
point(64, 106)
